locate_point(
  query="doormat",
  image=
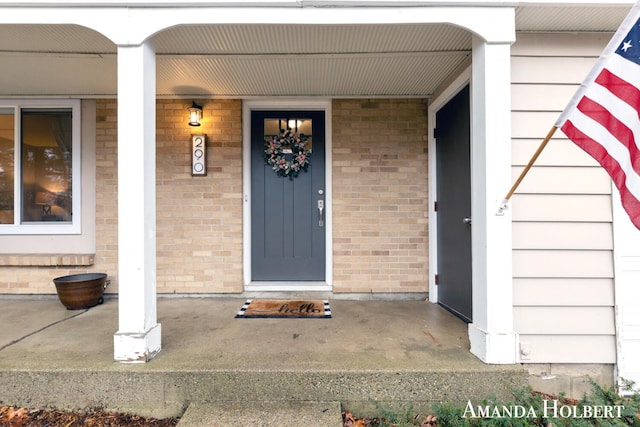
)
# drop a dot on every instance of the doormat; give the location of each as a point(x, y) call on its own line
point(285, 309)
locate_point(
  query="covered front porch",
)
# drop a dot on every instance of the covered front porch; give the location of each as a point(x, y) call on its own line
point(390, 352)
point(144, 53)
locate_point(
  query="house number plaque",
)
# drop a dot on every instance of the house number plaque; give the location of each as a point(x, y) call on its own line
point(199, 155)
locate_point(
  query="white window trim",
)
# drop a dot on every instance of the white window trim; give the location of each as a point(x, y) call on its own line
point(75, 227)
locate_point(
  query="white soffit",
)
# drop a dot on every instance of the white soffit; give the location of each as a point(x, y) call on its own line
point(284, 39)
point(268, 59)
point(330, 75)
point(323, 60)
point(600, 18)
point(53, 38)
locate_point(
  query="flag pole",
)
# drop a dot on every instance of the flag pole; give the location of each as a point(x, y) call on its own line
point(505, 202)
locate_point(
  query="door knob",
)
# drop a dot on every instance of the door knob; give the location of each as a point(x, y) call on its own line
point(466, 220)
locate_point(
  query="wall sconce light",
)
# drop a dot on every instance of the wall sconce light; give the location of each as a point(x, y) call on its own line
point(195, 114)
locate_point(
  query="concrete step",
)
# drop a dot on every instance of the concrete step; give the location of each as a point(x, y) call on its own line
point(142, 390)
point(386, 353)
point(262, 414)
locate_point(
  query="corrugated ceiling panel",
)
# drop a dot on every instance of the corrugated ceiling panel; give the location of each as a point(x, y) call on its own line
point(340, 75)
point(53, 38)
point(286, 39)
point(57, 74)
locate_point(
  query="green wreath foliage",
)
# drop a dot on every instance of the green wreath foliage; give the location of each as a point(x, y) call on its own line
point(283, 163)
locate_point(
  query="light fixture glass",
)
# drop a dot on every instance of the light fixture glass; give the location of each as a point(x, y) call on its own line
point(294, 124)
point(195, 114)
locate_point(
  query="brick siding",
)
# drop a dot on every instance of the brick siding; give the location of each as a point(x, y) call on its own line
point(380, 195)
point(379, 201)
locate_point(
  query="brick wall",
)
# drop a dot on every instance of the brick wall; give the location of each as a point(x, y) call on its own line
point(380, 195)
point(199, 219)
point(107, 190)
point(379, 189)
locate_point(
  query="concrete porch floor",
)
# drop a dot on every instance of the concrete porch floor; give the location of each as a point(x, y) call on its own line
point(391, 352)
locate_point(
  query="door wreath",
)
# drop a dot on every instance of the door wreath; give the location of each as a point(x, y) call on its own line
point(287, 154)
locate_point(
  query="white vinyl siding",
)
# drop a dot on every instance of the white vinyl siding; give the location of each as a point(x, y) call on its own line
point(556, 153)
point(564, 180)
point(598, 320)
point(559, 348)
point(563, 265)
point(562, 235)
point(562, 208)
point(534, 292)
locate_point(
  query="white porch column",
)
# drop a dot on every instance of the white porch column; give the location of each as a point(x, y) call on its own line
point(138, 336)
point(491, 333)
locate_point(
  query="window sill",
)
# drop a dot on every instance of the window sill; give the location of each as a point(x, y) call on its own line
point(46, 260)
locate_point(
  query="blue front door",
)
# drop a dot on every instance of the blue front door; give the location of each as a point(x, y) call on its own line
point(288, 212)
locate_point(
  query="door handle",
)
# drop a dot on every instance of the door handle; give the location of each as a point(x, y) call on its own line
point(320, 213)
point(466, 220)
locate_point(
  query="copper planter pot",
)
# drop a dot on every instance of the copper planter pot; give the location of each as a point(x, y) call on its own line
point(78, 291)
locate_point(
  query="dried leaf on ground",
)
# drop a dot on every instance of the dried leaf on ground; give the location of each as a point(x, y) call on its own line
point(350, 421)
point(11, 416)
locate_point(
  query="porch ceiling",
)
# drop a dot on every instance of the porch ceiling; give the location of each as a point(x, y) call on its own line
point(267, 60)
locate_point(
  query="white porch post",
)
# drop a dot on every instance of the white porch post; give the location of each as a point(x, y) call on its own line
point(138, 336)
point(491, 333)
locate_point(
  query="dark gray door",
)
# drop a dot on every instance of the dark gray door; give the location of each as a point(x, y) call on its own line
point(454, 205)
point(288, 213)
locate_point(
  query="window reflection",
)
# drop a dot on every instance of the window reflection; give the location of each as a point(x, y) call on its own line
point(273, 127)
point(46, 165)
point(7, 154)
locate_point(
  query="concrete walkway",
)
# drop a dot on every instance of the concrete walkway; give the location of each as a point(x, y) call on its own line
point(389, 352)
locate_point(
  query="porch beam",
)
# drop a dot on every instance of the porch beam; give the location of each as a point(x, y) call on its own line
point(138, 337)
point(491, 334)
point(125, 25)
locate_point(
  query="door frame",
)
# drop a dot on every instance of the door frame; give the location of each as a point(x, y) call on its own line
point(285, 104)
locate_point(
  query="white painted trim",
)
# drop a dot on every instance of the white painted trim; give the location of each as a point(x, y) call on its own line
point(309, 3)
point(137, 347)
point(139, 334)
point(491, 245)
point(288, 287)
point(494, 348)
point(249, 105)
point(130, 26)
point(439, 102)
point(626, 251)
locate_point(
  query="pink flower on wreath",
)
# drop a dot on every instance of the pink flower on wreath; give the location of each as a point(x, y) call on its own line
point(279, 161)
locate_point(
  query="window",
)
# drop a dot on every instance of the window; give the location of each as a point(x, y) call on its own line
point(40, 167)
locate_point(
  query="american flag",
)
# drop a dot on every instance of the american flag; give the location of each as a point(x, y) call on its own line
point(603, 117)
